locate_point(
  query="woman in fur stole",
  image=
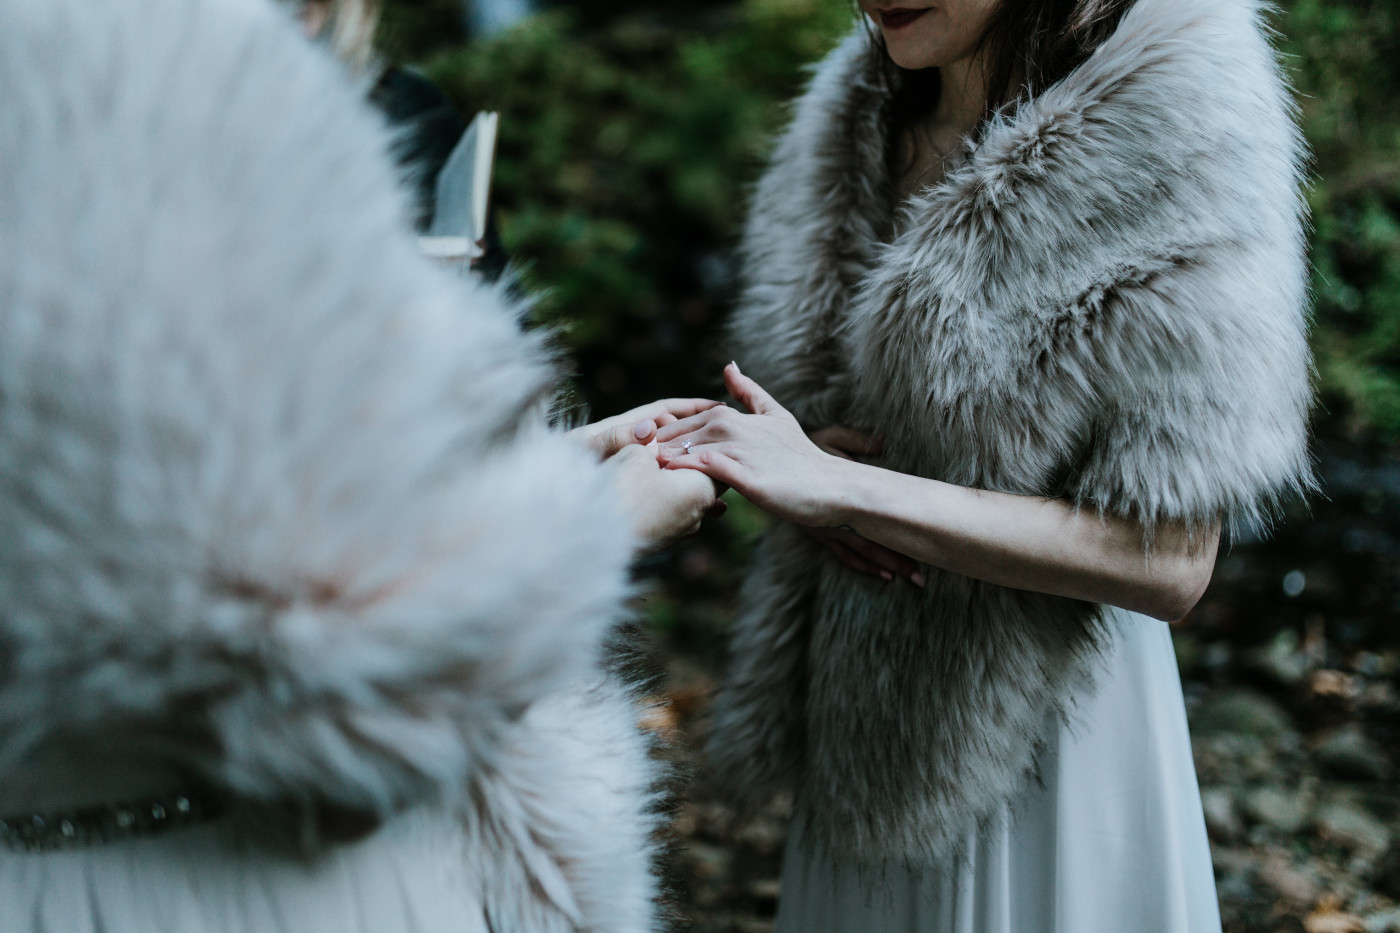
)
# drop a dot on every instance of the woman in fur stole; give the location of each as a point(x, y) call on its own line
point(302, 607)
point(1029, 277)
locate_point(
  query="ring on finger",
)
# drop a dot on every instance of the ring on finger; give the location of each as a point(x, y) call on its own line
point(685, 445)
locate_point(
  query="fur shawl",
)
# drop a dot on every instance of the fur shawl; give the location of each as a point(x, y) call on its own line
point(279, 505)
point(1105, 301)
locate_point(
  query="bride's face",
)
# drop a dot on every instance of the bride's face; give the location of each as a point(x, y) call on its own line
point(930, 33)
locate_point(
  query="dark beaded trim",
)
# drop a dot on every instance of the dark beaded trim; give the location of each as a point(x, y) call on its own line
point(88, 826)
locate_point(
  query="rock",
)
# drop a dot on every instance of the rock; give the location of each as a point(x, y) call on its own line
point(1245, 712)
point(1348, 753)
point(1385, 922)
point(1333, 921)
point(764, 890)
point(1348, 825)
point(707, 862)
point(1284, 811)
point(1387, 871)
point(752, 925)
point(1281, 660)
point(1222, 820)
point(1290, 882)
point(1233, 758)
point(763, 834)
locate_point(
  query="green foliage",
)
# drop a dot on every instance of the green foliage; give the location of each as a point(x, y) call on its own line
point(626, 152)
point(411, 29)
point(1345, 57)
point(623, 163)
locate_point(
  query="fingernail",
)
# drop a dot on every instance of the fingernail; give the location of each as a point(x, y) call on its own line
point(918, 580)
point(643, 429)
point(736, 367)
point(886, 576)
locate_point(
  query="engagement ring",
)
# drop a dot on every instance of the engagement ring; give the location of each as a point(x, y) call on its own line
point(685, 445)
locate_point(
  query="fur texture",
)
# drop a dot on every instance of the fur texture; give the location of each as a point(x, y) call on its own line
point(279, 503)
point(1104, 301)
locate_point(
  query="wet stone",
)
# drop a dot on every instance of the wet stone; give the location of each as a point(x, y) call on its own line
point(1245, 712)
point(1348, 753)
point(1348, 825)
point(1384, 922)
point(1299, 885)
point(1222, 819)
point(1284, 811)
point(1281, 660)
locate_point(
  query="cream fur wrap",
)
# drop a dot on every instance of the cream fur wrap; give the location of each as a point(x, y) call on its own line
point(280, 509)
point(1105, 301)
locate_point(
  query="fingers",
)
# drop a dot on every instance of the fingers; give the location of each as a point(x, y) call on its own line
point(857, 563)
point(891, 562)
point(614, 437)
point(749, 393)
point(707, 459)
point(868, 557)
point(667, 410)
point(608, 436)
point(661, 505)
point(691, 424)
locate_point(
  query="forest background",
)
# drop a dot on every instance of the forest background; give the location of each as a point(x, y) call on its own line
point(630, 135)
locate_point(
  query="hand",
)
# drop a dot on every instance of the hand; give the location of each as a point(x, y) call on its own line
point(865, 556)
point(661, 504)
point(851, 549)
point(765, 454)
point(638, 426)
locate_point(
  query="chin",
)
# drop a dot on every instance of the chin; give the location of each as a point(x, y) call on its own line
point(912, 60)
point(913, 56)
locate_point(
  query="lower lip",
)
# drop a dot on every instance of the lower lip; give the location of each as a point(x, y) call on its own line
point(898, 19)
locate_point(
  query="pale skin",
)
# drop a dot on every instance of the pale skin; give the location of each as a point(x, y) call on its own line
point(661, 505)
point(1023, 542)
point(887, 524)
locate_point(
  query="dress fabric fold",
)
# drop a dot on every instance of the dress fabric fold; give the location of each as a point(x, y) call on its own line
point(1116, 803)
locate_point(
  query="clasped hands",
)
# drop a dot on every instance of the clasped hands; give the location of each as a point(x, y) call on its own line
point(765, 455)
point(662, 505)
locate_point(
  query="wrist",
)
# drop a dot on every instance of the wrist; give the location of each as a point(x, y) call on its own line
point(836, 504)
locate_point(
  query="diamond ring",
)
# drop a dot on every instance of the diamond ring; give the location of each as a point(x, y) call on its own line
point(685, 445)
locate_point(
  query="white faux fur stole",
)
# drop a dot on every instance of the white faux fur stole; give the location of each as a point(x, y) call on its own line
point(1105, 302)
point(278, 506)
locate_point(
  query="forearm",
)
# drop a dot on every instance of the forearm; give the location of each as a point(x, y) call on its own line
point(1024, 542)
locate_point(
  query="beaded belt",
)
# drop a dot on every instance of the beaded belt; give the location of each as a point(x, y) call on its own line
point(43, 832)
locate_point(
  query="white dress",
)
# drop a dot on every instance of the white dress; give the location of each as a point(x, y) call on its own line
point(1110, 840)
point(409, 877)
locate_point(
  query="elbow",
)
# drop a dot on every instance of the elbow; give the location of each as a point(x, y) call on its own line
point(1175, 594)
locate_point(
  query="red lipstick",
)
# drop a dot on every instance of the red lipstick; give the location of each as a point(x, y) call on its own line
point(899, 17)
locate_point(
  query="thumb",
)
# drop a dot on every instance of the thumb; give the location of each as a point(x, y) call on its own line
point(620, 436)
point(749, 393)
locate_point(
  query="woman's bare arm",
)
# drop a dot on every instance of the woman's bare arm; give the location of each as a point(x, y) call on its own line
point(1024, 542)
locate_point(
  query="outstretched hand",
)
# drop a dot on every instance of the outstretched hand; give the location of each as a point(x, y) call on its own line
point(769, 458)
point(661, 506)
point(638, 426)
point(765, 454)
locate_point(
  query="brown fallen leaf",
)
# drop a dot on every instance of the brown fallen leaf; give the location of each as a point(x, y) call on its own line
point(1333, 921)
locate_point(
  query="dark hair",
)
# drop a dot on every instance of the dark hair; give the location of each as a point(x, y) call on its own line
point(1041, 41)
point(1029, 45)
